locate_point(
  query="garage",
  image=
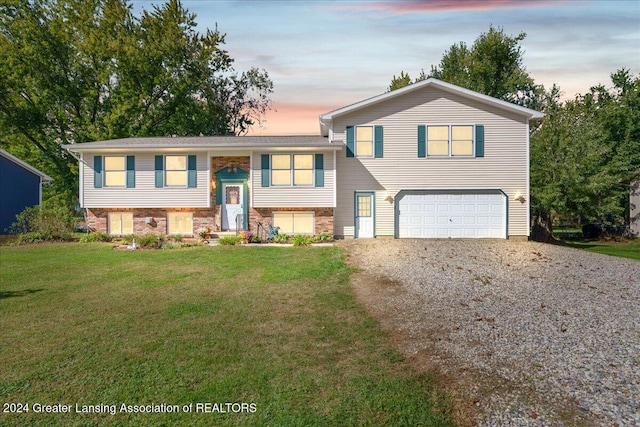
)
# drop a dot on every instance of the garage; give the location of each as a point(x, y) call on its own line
point(451, 214)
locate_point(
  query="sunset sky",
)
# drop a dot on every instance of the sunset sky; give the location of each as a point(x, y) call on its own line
point(322, 55)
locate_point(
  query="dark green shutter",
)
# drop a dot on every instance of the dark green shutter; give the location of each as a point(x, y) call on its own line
point(131, 171)
point(192, 175)
point(319, 170)
point(377, 139)
point(479, 140)
point(266, 173)
point(351, 141)
point(97, 171)
point(159, 171)
point(422, 141)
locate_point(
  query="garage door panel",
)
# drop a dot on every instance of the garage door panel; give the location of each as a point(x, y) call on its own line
point(452, 215)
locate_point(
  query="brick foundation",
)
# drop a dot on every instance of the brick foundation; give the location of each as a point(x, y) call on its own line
point(323, 217)
point(148, 221)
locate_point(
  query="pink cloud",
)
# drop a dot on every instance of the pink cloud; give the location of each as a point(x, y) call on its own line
point(293, 119)
point(409, 6)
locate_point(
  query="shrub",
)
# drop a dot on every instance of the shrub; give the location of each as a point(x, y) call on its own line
point(31, 237)
point(229, 240)
point(323, 237)
point(301, 240)
point(95, 237)
point(52, 221)
point(255, 239)
point(150, 240)
point(281, 238)
point(177, 238)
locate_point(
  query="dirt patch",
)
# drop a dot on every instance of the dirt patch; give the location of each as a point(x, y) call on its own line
point(385, 300)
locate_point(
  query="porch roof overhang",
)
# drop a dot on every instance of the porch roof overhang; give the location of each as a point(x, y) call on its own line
point(208, 143)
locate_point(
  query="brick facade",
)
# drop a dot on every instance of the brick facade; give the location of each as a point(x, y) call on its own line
point(323, 217)
point(148, 221)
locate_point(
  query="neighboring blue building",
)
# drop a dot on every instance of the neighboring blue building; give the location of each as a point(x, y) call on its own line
point(20, 187)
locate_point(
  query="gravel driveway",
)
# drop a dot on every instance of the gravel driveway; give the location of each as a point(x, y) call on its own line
point(524, 334)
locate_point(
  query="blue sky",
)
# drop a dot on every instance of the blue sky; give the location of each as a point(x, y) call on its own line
point(322, 55)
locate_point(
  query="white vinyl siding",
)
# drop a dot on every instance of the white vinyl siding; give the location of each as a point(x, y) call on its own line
point(504, 165)
point(145, 195)
point(292, 196)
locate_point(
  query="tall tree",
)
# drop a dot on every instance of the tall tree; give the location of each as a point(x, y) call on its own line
point(493, 66)
point(73, 71)
point(585, 154)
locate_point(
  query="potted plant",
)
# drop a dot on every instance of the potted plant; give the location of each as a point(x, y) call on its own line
point(203, 232)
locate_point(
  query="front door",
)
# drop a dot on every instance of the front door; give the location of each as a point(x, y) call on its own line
point(232, 208)
point(364, 215)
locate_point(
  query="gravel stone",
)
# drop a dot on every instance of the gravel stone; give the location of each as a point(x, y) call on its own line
point(534, 334)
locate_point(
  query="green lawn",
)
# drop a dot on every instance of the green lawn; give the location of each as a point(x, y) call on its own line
point(277, 328)
point(630, 249)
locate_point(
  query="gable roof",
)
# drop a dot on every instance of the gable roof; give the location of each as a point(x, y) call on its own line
point(203, 143)
point(327, 118)
point(24, 165)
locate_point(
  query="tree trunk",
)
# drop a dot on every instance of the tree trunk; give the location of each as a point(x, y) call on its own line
point(542, 230)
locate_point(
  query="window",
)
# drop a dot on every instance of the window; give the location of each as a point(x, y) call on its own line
point(281, 169)
point(454, 140)
point(176, 171)
point(438, 141)
point(288, 169)
point(364, 141)
point(294, 222)
point(364, 206)
point(462, 140)
point(115, 171)
point(120, 223)
point(180, 223)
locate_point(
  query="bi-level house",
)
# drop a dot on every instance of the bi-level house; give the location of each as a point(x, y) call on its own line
point(431, 160)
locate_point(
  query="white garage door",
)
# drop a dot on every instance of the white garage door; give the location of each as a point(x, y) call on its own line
point(452, 215)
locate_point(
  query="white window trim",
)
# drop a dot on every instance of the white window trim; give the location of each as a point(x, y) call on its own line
point(450, 155)
point(313, 216)
point(104, 171)
point(373, 143)
point(292, 170)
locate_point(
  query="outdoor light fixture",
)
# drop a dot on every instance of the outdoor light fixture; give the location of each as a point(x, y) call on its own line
point(389, 198)
point(519, 197)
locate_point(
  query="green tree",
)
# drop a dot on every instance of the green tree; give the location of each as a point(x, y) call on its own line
point(401, 81)
point(584, 155)
point(73, 71)
point(493, 66)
